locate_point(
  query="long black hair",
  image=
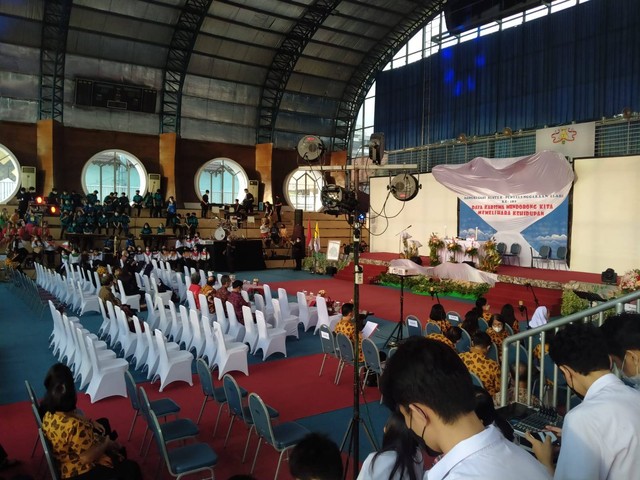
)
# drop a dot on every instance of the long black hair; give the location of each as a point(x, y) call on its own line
point(60, 393)
point(399, 439)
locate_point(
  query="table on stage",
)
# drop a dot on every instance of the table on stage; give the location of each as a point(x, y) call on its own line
point(445, 254)
point(248, 255)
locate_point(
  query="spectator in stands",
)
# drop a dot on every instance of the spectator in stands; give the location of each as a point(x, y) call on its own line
point(195, 287)
point(247, 203)
point(50, 251)
point(316, 457)
point(204, 204)
point(192, 222)
point(478, 362)
point(209, 292)
point(601, 436)
point(496, 330)
point(235, 298)
point(23, 201)
point(268, 211)
point(439, 317)
point(400, 456)
point(428, 383)
point(277, 204)
point(123, 204)
point(223, 292)
point(449, 338)
point(622, 333)
point(158, 204)
point(83, 448)
point(509, 317)
point(138, 201)
point(540, 317)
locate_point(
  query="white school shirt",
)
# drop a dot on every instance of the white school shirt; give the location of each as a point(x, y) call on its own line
point(601, 436)
point(488, 456)
point(381, 468)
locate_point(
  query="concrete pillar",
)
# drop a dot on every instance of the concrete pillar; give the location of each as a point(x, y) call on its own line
point(168, 147)
point(264, 157)
point(48, 142)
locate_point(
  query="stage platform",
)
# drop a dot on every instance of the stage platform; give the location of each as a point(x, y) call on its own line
point(514, 283)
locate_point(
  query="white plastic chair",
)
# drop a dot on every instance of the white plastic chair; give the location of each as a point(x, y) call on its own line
point(289, 324)
point(172, 366)
point(229, 356)
point(210, 349)
point(307, 315)
point(176, 325)
point(107, 378)
point(270, 340)
point(267, 299)
point(204, 307)
point(286, 307)
point(221, 317)
point(250, 329)
point(236, 329)
point(260, 305)
point(191, 300)
point(132, 300)
point(142, 348)
point(187, 335)
point(153, 317)
point(126, 337)
point(197, 339)
point(88, 303)
point(323, 316)
point(85, 370)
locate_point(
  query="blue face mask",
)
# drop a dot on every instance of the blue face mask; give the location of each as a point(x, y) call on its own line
point(633, 380)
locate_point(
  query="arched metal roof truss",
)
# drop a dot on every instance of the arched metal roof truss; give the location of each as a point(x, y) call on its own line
point(180, 49)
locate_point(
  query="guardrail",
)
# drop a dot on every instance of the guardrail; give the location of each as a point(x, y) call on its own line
point(512, 348)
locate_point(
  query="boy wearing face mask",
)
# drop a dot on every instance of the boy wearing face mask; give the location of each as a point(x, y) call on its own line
point(623, 341)
point(601, 436)
point(430, 386)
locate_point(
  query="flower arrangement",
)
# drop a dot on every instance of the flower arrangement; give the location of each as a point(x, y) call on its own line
point(471, 251)
point(410, 247)
point(454, 247)
point(630, 281)
point(490, 261)
point(435, 244)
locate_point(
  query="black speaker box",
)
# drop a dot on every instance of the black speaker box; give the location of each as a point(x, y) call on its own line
point(149, 100)
point(331, 270)
point(297, 217)
point(84, 92)
point(609, 276)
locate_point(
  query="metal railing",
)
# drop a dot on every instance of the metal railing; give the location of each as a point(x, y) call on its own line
point(513, 349)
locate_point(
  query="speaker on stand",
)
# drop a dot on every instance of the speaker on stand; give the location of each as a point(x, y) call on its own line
point(297, 217)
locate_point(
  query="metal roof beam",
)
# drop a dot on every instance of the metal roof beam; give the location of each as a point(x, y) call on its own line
point(53, 47)
point(283, 63)
point(184, 38)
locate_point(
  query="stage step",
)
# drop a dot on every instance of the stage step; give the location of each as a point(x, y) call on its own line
point(369, 272)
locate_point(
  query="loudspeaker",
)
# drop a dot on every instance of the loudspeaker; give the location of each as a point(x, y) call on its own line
point(297, 217)
point(153, 182)
point(254, 189)
point(84, 92)
point(331, 270)
point(609, 276)
point(28, 177)
point(376, 147)
point(149, 100)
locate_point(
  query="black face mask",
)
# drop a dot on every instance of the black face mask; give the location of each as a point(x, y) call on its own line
point(423, 445)
point(580, 396)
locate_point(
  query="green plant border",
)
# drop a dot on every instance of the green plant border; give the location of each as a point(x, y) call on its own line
point(424, 285)
point(318, 263)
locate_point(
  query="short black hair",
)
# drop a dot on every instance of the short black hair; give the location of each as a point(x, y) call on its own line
point(580, 346)
point(347, 309)
point(60, 395)
point(508, 313)
point(225, 279)
point(622, 333)
point(316, 457)
point(481, 339)
point(429, 372)
point(236, 284)
point(481, 302)
point(437, 312)
point(454, 334)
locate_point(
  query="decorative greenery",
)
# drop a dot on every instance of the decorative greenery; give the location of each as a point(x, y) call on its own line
point(425, 285)
point(318, 263)
point(571, 303)
point(435, 244)
point(490, 259)
point(409, 247)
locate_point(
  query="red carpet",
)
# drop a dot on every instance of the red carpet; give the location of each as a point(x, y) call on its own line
point(293, 387)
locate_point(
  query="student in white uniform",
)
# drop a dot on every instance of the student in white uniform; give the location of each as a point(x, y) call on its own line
point(601, 436)
point(623, 340)
point(427, 382)
point(400, 457)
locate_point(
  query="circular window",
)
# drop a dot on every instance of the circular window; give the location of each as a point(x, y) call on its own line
point(114, 171)
point(303, 188)
point(225, 180)
point(9, 174)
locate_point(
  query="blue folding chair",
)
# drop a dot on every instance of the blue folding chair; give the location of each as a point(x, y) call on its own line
point(281, 437)
point(327, 342)
point(464, 344)
point(185, 460)
point(431, 327)
point(414, 327)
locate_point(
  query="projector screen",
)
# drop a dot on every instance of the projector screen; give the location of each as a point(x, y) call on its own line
point(434, 209)
point(605, 232)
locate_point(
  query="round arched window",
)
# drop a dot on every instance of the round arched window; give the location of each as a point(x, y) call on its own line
point(114, 171)
point(302, 189)
point(9, 174)
point(225, 180)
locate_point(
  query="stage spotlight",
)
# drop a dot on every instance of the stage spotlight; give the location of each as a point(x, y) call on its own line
point(609, 276)
point(39, 200)
point(53, 210)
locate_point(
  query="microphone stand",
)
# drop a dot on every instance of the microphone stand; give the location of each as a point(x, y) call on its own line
point(400, 237)
point(535, 299)
point(523, 309)
point(433, 293)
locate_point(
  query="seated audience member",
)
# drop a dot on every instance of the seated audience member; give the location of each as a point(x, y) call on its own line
point(195, 287)
point(316, 457)
point(521, 387)
point(509, 317)
point(347, 326)
point(486, 412)
point(601, 436)
point(540, 317)
point(82, 447)
point(223, 292)
point(235, 298)
point(439, 317)
point(483, 309)
point(209, 292)
point(430, 386)
point(496, 331)
point(470, 323)
point(399, 458)
point(449, 338)
point(476, 360)
point(622, 333)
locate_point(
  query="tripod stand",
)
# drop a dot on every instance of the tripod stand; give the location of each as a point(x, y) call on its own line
point(352, 435)
point(398, 331)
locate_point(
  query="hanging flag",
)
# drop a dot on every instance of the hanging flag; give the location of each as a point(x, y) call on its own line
point(309, 236)
point(316, 239)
